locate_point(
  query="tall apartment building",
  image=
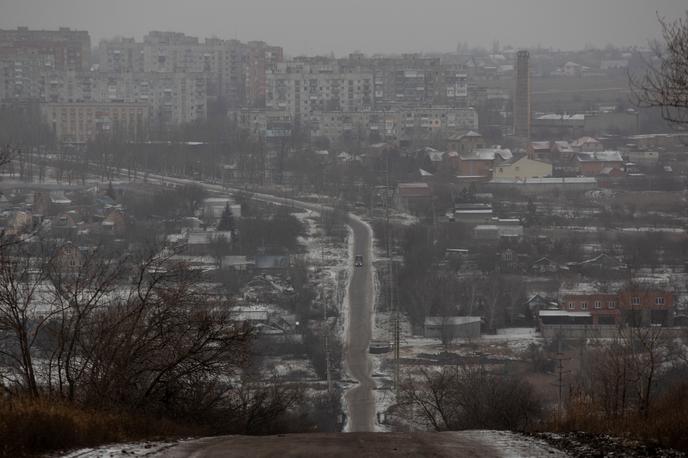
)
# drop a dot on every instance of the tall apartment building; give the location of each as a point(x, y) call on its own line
point(23, 75)
point(302, 89)
point(261, 57)
point(27, 57)
point(174, 98)
point(120, 55)
point(69, 49)
point(235, 71)
point(169, 99)
point(67, 86)
point(412, 79)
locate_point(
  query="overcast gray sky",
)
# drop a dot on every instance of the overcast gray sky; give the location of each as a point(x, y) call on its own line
point(342, 26)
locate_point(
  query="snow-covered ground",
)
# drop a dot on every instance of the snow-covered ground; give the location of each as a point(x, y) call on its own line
point(512, 445)
point(328, 258)
point(289, 367)
point(122, 450)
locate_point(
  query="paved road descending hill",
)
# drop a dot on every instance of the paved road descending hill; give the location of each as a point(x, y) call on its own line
point(360, 297)
point(360, 400)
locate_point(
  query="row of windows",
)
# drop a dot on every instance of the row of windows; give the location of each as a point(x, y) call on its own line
point(635, 300)
point(597, 305)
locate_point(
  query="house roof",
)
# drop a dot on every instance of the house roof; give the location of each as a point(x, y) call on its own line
point(540, 145)
point(435, 156)
point(414, 190)
point(510, 231)
point(58, 197)
point(451, 320)
point(487, 154)
point(601, 258)
point(564, 313)
point(563, 146)
point(561, 117)
point(546, 181)
point(462, 135)
point(584, 141)
point(544, 260)
point(600, 156)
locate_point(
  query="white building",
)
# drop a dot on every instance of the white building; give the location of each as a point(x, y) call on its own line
point(302, 89)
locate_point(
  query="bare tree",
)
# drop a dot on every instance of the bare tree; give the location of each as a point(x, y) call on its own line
point(24, 312)
point(664, 84)
point(457, 398)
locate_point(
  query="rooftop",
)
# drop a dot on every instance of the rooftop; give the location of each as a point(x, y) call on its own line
point(600, 156)
point(414, 190)
point(450, 320)
point(487, 154)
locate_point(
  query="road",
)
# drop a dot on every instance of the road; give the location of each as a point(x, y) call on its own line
point(359, 299)
point(360, 400)
point(483, 444)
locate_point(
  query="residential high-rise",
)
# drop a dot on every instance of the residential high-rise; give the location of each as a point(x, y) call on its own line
point(302, 89)
point(522, 109)
point(68, 49)
point(29, 59)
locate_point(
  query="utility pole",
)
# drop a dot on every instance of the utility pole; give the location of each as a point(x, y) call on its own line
point(560, 379)
point(393, 305)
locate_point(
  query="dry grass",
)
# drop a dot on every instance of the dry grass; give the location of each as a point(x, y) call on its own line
point(667, 423)
point(32, 427)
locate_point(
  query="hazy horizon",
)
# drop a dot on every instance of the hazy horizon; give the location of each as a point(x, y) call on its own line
point(385, 26)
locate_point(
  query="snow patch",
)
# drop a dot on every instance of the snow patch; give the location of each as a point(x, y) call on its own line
point(120, 450)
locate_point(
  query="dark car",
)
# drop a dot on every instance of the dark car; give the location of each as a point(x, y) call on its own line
point(358, 260)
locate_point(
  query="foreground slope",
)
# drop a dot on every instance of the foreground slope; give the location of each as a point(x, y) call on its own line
point(448, 444)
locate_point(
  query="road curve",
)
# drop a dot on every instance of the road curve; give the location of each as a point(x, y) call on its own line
point(360, 298)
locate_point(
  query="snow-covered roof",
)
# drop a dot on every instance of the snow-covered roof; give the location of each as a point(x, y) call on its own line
point(58, 197)
point(450, 320)
point(561, 117)
point(600, 156)
point(487, 154)
point(584, 141)
point(563, 146)
point(545, 181)
point(540, 145)
point(435, 156)
point(564, 313)
point(510, 231)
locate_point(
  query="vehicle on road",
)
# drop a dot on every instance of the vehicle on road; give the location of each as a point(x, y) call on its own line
point(358, 260)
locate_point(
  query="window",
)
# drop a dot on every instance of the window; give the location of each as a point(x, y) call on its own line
point(598, 304)
point(659, 300)
point(584, 306)
point(611, 304)
point(572, 305)
point(635, 300)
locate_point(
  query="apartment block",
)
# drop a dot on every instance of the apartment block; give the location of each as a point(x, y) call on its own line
point(81, 122)
point(302, 89)
point(68, 49)
point(235, 72)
